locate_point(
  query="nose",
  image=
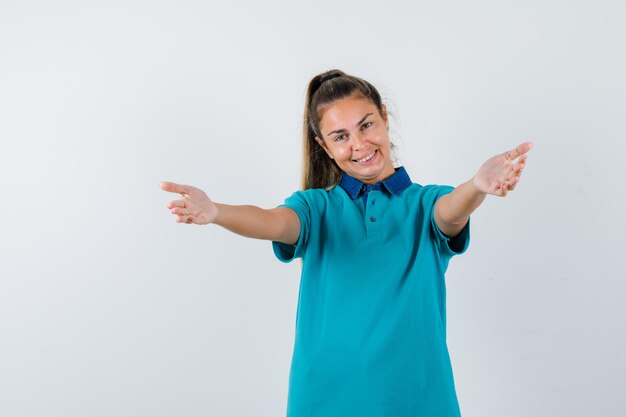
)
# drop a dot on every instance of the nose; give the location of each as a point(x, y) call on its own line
point(358, 141)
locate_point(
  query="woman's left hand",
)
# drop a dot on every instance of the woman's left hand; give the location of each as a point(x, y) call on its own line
point(500, 174)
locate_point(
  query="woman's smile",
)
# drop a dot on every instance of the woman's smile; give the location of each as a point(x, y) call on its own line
point(366, 159)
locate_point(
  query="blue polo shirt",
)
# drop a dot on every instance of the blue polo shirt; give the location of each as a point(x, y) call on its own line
point(371, 318)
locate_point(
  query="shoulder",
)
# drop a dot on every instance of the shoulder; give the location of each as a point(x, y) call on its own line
point(425, 195)
point(310, 195)
point(313, 199)
point(428, 189)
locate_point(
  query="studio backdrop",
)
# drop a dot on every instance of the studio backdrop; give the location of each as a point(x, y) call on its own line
point(108, 307)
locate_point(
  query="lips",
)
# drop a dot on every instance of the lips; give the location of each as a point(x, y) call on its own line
point(366, 158)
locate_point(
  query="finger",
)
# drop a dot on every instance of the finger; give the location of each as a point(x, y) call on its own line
point(512, 183)
point(517, 169)
point(505, 187)
point(516, 179)
point(184, 219)
point(176, 203)
point(518, 151)
point(175, 188)
point(498, 189)
point(511, 186)
point(179, 211)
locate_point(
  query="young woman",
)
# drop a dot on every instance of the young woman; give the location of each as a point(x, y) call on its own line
point(371, 319)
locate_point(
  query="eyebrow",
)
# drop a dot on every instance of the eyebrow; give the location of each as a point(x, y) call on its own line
point(344, 130)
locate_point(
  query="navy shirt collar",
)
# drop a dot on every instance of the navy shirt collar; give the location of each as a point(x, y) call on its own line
point(395, 184)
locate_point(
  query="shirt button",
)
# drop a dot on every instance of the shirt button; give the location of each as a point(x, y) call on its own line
point(372, 219)
point(373, 202)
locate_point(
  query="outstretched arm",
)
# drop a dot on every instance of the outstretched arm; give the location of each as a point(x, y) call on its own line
point(280, 224)
point(497, 176)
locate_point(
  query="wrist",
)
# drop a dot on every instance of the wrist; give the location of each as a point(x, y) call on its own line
point(218, 216)
point(474, 188)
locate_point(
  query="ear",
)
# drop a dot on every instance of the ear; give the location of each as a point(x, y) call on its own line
point(385, 115)
point(323, 145)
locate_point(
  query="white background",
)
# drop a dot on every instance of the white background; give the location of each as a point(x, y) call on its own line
point(108, 307)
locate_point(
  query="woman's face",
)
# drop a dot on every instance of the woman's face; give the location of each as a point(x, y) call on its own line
point(355, 135)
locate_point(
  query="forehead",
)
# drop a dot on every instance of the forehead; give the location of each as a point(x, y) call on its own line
point(345, 113)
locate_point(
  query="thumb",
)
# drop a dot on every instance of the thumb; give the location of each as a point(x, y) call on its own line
point(175, 188)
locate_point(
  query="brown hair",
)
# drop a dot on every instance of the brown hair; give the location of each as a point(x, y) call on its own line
point(318, 170)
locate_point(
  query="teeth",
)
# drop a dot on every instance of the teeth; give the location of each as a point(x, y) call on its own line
point(367, 158)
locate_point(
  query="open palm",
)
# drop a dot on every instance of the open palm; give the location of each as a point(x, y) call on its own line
point(500, 174)
point(194, 206)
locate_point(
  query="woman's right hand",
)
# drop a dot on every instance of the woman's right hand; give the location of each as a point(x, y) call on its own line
point(194, 206)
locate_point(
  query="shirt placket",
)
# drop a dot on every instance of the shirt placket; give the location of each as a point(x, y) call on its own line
point(372, 214)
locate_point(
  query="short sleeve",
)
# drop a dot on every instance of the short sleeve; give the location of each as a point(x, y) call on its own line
point(283, 251)
point(457, 244)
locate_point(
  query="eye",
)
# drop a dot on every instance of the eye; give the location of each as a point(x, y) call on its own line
point(368, 124)
point(339, 137)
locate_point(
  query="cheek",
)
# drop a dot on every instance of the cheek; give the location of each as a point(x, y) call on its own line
point(383, 140)
point(341, 152)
